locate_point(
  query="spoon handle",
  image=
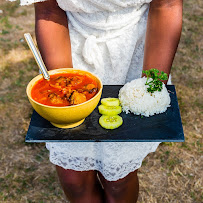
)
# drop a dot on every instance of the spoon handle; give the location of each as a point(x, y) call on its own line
point(37, 56)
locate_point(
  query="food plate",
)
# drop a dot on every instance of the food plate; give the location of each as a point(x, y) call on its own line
point(165, 127)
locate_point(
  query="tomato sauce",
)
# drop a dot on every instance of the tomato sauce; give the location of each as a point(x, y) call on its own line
point(64, 89)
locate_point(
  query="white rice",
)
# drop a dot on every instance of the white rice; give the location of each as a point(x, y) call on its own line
point(135, 98)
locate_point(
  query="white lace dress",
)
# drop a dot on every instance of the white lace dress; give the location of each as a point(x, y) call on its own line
point(107, 38)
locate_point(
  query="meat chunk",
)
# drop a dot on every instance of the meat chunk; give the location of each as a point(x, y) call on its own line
point(77, 98)
point(55, 99)
point(75, 80)
point(90, 88)
point(62, 81)
point(67, 92)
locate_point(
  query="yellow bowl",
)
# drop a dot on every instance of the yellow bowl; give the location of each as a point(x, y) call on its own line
point(67, 116)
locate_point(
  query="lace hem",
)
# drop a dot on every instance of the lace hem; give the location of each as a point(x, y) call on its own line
point(105, 158)
point(113, 173)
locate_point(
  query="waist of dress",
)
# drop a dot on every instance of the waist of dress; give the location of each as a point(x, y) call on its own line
point(106, 25)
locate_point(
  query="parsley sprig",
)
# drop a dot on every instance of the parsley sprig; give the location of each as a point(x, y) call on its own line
point(155, 84)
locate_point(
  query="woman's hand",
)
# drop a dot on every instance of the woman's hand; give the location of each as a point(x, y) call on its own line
point(163, 34)
point(52, 34)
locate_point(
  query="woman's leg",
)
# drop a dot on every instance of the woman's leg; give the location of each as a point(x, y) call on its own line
point(80, 187)
point(122, 191)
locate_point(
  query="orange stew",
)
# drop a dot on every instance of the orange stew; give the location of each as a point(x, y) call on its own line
point(64, 89)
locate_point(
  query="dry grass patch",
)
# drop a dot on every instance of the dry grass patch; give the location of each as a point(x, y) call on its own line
point(14, 56)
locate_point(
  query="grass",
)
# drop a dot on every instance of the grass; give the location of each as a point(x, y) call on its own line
point(172, 174)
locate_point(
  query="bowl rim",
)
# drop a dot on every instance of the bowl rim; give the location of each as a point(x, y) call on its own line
point(62, 107)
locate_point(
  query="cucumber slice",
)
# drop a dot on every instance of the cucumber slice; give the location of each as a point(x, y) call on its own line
point(109, 110)
point(110, 101)
point(110, 122)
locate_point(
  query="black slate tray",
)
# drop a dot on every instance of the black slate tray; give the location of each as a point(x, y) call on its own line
point(165, 127)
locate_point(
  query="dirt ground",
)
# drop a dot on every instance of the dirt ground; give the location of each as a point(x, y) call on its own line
point(172, 174)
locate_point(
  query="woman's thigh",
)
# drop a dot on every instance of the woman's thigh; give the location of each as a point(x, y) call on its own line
point(79, 185)
point(124, 190)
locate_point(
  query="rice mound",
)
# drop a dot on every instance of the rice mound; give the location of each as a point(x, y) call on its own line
point(135, 98)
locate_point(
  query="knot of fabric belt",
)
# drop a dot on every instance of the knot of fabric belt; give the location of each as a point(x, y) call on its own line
point(92, 54)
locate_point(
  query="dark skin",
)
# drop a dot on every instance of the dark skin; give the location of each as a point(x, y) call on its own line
point(163, 34)
point(162, 37)
point(84, 187)
point(80, 187)
point(52, 34)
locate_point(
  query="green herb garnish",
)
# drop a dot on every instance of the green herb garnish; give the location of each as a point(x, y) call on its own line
point(155, 84)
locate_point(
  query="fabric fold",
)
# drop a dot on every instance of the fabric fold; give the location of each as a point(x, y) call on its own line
point(92, 54)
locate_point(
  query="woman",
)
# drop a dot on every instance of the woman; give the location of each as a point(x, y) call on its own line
point(105, 37)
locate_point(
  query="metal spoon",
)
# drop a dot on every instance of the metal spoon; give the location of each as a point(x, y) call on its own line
point(37, 56)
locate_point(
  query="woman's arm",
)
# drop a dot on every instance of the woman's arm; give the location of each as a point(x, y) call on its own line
point(163, 34)
point(52, 34)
